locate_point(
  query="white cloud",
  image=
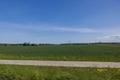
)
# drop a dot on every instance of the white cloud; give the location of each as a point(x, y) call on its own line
point(38, 27)
point(24, 31)
point(67, 29)
point(110, 38)
point(13, 32)
point(47, 27)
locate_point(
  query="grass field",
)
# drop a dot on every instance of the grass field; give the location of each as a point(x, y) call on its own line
point(10, 72)
point(91, 52)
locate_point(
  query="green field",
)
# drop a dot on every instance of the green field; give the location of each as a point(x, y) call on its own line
point(91, 52)
point(10, 72)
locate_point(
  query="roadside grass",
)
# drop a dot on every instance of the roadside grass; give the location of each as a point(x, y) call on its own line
point(14, 72)
point(91, 52)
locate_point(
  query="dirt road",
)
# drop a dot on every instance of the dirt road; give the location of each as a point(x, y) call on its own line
point(63, 63)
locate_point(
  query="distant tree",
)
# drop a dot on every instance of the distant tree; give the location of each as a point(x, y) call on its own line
point(26, 44)
point(33, 44)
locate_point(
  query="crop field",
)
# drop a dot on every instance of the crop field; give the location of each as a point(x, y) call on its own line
point(12, 72)
point(91, 52)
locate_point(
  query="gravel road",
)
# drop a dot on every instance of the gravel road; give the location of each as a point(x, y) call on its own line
point(63, 63)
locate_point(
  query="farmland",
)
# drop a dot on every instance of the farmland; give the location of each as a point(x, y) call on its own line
point(86, 52)
point(91, 52)
point(10, 72)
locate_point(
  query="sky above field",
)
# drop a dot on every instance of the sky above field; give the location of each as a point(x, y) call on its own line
point(59, 21)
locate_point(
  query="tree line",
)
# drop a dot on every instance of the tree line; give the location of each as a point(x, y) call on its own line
point(42, 44)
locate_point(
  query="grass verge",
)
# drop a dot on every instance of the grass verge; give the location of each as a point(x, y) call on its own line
point(13, 72)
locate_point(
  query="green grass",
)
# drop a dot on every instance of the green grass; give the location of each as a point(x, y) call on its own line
point(92, 52)
point(12, 72)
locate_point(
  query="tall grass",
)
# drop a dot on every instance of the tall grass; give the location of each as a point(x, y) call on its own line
point(10, 72)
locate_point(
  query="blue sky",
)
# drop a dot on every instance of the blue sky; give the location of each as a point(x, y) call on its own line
point(59, 21)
